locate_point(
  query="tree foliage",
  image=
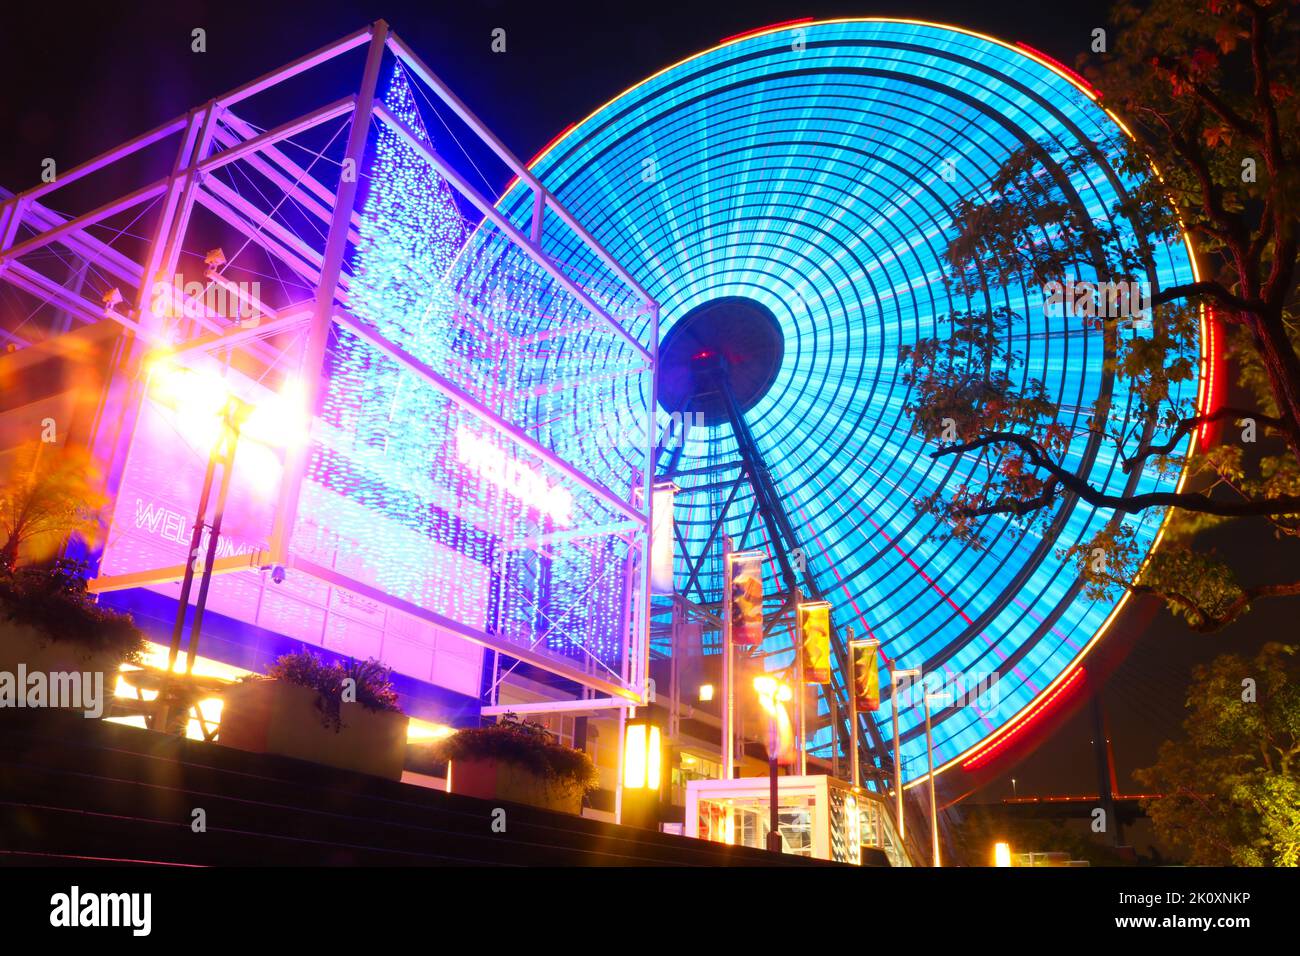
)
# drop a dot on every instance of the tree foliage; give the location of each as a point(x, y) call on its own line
point(47, 493)
point(1230, 791)
point(1207, 89)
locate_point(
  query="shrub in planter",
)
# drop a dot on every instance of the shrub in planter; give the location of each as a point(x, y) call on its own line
point(341, 715)
point(520, 762)
point(49, 623)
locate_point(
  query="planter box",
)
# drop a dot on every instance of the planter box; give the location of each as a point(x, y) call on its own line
point(491, 779)
point(270, 716)
point(21, 644)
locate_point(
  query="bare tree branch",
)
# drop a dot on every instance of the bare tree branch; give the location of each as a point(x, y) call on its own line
point(1188, 425)
point(1069, 481)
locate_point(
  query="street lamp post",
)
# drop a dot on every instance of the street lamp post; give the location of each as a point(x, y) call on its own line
point(642, 772)
point(236, 410)
point(202, 398)
point(728, 695)
point(853, 714)
point(187, 580)
point(773, 695)
point(221, 455)
point(774, 798)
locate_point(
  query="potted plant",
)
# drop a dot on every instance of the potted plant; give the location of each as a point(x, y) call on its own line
point(517, 761)
point(49, 624)
point(343, 715)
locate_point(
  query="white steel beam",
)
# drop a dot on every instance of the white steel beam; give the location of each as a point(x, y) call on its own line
point(43, 287)
point(102, 160)
point(254, 223)
point(324, 114)
point(312, 366)
point(293, 179)
point(444, 92)
point(304, 63)
point(557, 706)
point(289, 319)
point(172, 574)
point(111, 208)
point(87, 246)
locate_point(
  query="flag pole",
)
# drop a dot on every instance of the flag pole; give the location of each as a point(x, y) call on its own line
point(898, 763)
point(728, 696)
point(934, 813)
point(803, 688)
point(853, 711)
point(894, 676)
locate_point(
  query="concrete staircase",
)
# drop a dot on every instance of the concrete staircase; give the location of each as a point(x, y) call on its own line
point(79, 791)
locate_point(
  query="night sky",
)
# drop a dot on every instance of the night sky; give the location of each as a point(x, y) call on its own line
point(80, 82)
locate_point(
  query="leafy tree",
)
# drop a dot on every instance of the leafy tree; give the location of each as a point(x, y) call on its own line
point(1231, 789)
point(47, 494)
point(1207, 88)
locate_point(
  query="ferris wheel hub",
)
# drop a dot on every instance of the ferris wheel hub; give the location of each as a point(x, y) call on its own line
point(733, 335)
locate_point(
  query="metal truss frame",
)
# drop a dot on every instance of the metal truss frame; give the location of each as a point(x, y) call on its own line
point(294, 336)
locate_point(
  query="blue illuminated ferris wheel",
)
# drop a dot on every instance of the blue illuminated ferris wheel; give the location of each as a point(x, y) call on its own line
point(787, 197)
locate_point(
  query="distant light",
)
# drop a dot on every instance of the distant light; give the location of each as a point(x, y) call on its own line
point(706, 692)
point(196, 396)
point(1002, 854)
point(420, 731)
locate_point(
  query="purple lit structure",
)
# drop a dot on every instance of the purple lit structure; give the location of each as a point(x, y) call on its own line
point(427, 470)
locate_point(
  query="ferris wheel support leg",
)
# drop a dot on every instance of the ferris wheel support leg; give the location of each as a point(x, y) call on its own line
point(781, 533)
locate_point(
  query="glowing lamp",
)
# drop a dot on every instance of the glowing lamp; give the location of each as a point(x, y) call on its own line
point(197, 396)
point(1001, 854)
point(772, 692)
point(281, 419)
point(706, 693)
point(642, 755)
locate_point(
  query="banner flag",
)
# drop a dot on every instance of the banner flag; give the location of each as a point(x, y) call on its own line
point(661, 540)
point(866, 675)
point(747, 598)
point(815, 632)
